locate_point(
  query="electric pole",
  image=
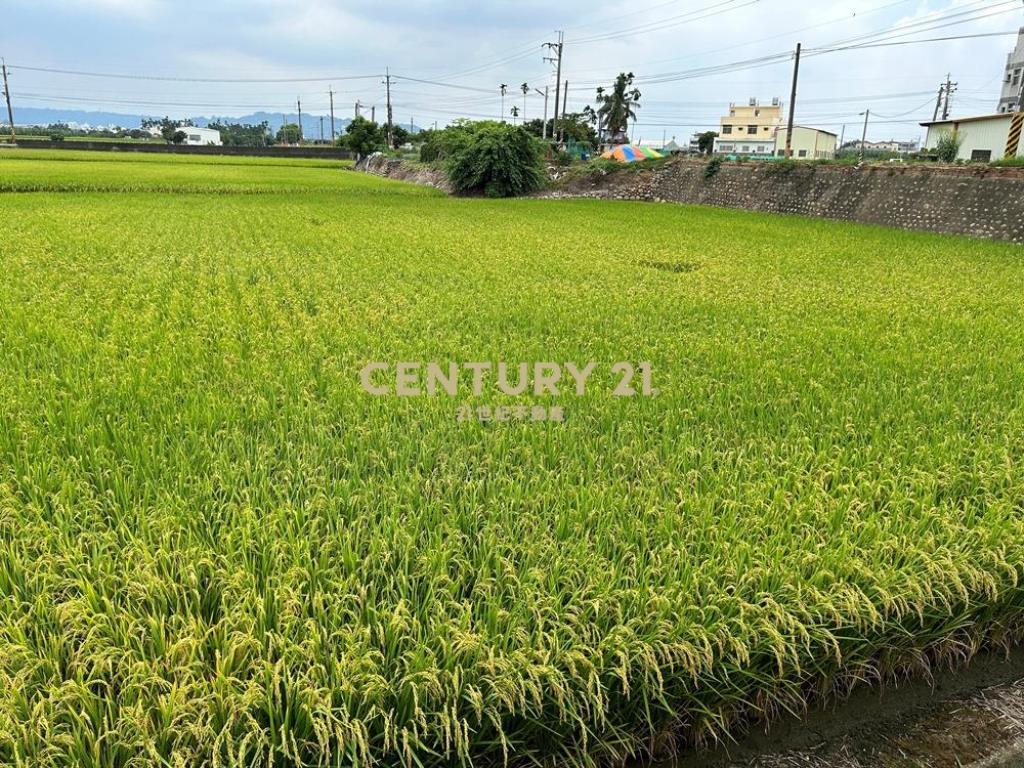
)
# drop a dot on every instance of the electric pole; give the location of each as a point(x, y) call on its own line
point(557, 59)
point(950, 88)
point(864, 134)
point(10, 112)
point(321, 128)
point(373, 113)
point(938, 102)
point(299, 103)
point(358, 105)
point(792, 103)
point(544, 126)
point(391, 130)
point(331, 92)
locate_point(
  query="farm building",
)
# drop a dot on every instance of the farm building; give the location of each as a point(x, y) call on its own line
point(196, 137)
point(983, 138)
point(201, 136)
point(808, 143)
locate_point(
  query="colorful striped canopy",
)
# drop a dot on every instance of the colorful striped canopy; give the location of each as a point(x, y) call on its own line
point(629, 154)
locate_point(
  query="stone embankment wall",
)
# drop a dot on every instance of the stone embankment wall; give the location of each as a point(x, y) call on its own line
point(979, 201)
point(392, 168)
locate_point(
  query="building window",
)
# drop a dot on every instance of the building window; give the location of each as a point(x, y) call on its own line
point(752, 129)
point(981, 155)
point(780, 152)
point(1016, 76)
point(725, 147)
point(746, 148)
point(802, 153)
point(726, 129)
point(194, 137)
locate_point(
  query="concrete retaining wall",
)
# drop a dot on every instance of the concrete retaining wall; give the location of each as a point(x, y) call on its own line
point(970, 200)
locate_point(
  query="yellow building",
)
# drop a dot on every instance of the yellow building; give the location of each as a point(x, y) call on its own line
point(808, 143)
point(749, 129)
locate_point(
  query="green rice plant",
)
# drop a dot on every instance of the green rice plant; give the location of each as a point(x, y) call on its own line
point(217, 549)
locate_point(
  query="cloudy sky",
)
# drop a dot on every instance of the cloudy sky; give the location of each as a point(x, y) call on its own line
point(691, 57)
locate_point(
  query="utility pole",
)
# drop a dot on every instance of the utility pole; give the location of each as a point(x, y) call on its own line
point(321, 128)
point(792, 103)
point(842, 137)
point(938, 102)
point(373, 114)
point(10, 112)
point(864, 134)
point(557, 48)
point(358, 105)
point(299, 103)
point(544, 125)
point(331, 92)
point(950, 88)
point(391, 129)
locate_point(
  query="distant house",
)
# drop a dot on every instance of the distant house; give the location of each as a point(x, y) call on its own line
point(194, 137)
point(807, 144)
point(983, 138)
point(1013, 82)
point(200, 137)
point(901, 147)
point(749, 129)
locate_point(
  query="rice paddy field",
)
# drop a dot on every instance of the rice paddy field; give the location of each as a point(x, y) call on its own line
point(217, 548)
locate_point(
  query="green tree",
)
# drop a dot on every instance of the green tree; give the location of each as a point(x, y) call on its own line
point(496, 159)
point(574, 125)
point(363, 137)
point(168, 128)
point(399, 134)
point(243, 134)
point(288, 134)
point(178, 137)
point(706, 142)
point(617, 108)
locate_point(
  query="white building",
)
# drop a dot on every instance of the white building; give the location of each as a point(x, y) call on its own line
point(807, 144)
point(983, 138)
point(199, 137)
point(195, 137)
point(1009, 97)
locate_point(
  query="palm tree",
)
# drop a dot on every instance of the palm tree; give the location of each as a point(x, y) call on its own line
point(525, 89)
point(515, 113)
point(503, 89)
point(618, 108)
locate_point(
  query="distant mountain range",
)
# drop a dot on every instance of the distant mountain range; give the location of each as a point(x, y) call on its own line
point(79, 118)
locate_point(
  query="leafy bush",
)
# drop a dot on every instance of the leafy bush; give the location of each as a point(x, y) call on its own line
point(948, 146)
point(364, 137)
point(496, 159)
point(713, 166)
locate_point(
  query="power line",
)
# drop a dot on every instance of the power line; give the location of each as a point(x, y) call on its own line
point(122, 76)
